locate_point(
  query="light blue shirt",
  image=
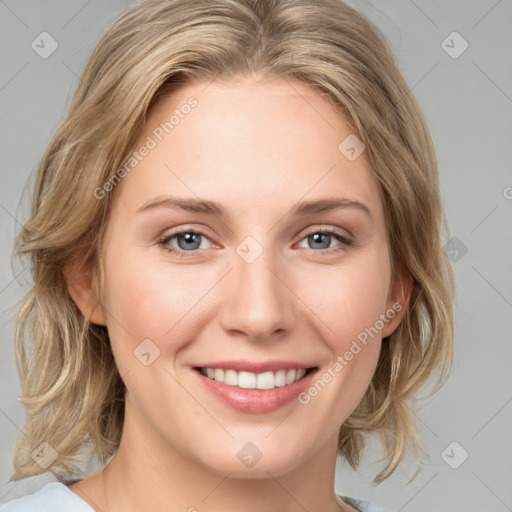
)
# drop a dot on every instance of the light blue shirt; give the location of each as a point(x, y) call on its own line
point(57, 497)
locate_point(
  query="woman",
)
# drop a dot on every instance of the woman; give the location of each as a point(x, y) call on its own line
point(235, 243)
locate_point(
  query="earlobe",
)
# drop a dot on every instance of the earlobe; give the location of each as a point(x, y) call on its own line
point(398, 302)
point(82, 288)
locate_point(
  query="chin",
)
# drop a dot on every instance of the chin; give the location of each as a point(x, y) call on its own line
point(246, 461)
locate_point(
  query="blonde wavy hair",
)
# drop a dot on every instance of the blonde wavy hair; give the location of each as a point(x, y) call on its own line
point(71, 387)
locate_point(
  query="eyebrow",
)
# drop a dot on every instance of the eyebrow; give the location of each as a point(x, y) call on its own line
point(212, 208)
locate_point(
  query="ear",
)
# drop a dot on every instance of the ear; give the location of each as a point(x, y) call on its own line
point(82, 286)
point(397, 302)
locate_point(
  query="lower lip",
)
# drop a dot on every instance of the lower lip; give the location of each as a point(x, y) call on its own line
point(256, 401)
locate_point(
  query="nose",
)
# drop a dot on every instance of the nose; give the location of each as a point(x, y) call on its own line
point(258, 301)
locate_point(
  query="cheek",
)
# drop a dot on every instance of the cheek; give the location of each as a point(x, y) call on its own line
point(349, 299)
point(349, 302)
point(148, 301)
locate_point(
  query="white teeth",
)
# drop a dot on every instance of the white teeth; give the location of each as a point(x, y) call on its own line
point(246, 380)
point(231, 378)
point(250, 380)
point(300, 373)
point(265, 380)
point(280, 378)
point(290, 376)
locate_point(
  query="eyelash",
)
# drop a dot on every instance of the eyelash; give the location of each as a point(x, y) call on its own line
point(345, 242)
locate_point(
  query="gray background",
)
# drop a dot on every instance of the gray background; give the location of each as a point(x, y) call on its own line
point(468, 103)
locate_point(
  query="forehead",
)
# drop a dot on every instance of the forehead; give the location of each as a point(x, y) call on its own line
point(248, 139)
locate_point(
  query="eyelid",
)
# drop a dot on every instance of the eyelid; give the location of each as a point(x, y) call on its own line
point(184, 228)
point(344, 240)
point(314, 229)
point(328, 228)
point(180, 230)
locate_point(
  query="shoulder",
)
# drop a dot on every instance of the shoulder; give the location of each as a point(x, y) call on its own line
point(56, 497)
point(361, 505)
point(53, 497)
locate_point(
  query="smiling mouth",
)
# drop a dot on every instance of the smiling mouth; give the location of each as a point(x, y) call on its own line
point(249, 380)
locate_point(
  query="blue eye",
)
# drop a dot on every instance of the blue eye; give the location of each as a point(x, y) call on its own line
point(189, 241)
point(323, 238)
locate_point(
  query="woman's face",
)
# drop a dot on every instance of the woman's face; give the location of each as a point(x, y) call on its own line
point(250, 278)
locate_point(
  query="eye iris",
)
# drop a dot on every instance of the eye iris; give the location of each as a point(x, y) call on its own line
point(190, 238)
point(317, 238)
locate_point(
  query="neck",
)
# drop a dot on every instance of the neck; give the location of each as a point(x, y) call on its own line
point(147, 473)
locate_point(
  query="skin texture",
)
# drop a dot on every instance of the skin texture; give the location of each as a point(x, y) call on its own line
point(257, 147)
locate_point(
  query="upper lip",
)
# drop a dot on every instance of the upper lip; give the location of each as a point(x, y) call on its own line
point(242, 365)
